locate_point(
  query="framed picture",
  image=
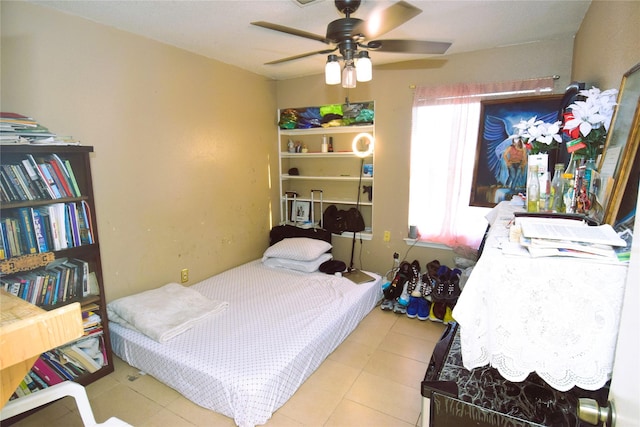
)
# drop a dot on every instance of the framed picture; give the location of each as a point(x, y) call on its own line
point(494, 181)
point(300, 211)
point(618, 166)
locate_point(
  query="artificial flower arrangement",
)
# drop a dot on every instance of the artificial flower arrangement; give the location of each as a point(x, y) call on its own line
point(538, 136)
point(588, 122)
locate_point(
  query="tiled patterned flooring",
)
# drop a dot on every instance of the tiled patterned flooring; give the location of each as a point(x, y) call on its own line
point(371, 379)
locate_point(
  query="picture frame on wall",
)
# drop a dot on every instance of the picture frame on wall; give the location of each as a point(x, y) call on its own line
point(497, 173)
point(300, 211)
point(618, 163)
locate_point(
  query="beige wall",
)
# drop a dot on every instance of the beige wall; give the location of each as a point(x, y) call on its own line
point(608, 43)
point(394, 97)
point(183, 144)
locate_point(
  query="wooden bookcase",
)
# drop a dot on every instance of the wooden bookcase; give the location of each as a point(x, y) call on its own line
point(85, 289)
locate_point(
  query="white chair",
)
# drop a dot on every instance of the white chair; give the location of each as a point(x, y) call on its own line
point(55, 392)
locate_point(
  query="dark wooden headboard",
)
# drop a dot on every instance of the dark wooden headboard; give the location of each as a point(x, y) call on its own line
point(280, 232)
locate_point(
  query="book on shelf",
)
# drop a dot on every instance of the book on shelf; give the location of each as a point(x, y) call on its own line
point(31, 384)
point(86, 227)
point(72, 178)
point(46, 372)
point(51, 183)
point(26, 225)
point(39, 381)
point(39, 229)
point(3, 252)
point(23, 182)
point(58, 177)
point(10, 177)
point(81, 357)
point(36, 180)
point(51, 359)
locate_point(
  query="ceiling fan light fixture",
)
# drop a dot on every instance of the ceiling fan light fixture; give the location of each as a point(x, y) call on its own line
point(363, 67)
point(332, 70)
point(349, 75)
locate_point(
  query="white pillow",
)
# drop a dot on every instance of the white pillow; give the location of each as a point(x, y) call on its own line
point(298, 249)
point(291, 264)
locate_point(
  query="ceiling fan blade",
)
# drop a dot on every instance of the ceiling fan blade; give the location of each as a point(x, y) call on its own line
point(302, 55)
point(409, 46)
point(290, 30)
point(383, 21)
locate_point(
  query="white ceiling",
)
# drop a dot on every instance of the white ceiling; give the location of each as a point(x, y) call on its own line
point(221, 29)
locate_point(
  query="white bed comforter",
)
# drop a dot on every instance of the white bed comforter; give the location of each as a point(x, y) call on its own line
point(248, 361)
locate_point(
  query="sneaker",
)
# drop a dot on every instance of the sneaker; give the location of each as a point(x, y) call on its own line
point(412, 308)
point(399, 308)
point(437, 312)
point(387, 305)
point(423, 309)
point(448, 316)
point(404, 296)
point(417, 291)
point(453, 288)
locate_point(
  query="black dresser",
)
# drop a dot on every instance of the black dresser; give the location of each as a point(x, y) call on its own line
point(456, 397)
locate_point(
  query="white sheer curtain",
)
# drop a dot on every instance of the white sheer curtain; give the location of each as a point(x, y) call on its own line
point(443, 149)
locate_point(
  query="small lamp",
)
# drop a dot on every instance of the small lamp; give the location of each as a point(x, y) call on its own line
point(358, 146)
point(363, 67)
point(349, 75)
point(332, 70)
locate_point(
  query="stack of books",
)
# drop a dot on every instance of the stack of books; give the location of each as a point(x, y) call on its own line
point(550, 237)
point(19, 129)
point(65, 363)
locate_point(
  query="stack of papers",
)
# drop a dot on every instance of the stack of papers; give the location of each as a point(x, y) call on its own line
point(19, 129)
point(544, 237)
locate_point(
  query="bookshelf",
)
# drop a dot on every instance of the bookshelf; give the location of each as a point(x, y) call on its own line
point(333, 175)
point(50, 254)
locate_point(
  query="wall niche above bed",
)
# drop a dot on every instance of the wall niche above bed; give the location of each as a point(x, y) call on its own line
point(318, 166)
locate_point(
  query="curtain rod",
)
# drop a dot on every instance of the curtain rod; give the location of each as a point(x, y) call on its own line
point(554, 77)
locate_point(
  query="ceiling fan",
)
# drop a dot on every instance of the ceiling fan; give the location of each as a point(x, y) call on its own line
point(349, 34)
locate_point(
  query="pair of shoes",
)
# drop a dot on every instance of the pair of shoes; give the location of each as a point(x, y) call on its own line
point(387, 305)
point(418, 307)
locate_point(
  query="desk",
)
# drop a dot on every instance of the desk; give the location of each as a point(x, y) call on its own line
point(557, 317)
point(26, 331)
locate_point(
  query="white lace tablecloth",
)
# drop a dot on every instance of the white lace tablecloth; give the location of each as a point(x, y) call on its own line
point(557, 317)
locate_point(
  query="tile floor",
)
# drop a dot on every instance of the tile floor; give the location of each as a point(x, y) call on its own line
point(371, 379)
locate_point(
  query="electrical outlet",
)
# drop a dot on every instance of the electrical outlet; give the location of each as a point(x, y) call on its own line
point(184, 275)
point(387, 236)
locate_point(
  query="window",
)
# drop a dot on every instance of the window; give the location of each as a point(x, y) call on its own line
point(443, 148)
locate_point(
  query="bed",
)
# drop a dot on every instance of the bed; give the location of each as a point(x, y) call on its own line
point(248, 359)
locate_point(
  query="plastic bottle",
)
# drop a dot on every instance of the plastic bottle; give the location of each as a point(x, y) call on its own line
point(533, 190)
point(325, 145)
point(331, 144)
point(545, 192)
point(569, 184)
point(557, 190)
